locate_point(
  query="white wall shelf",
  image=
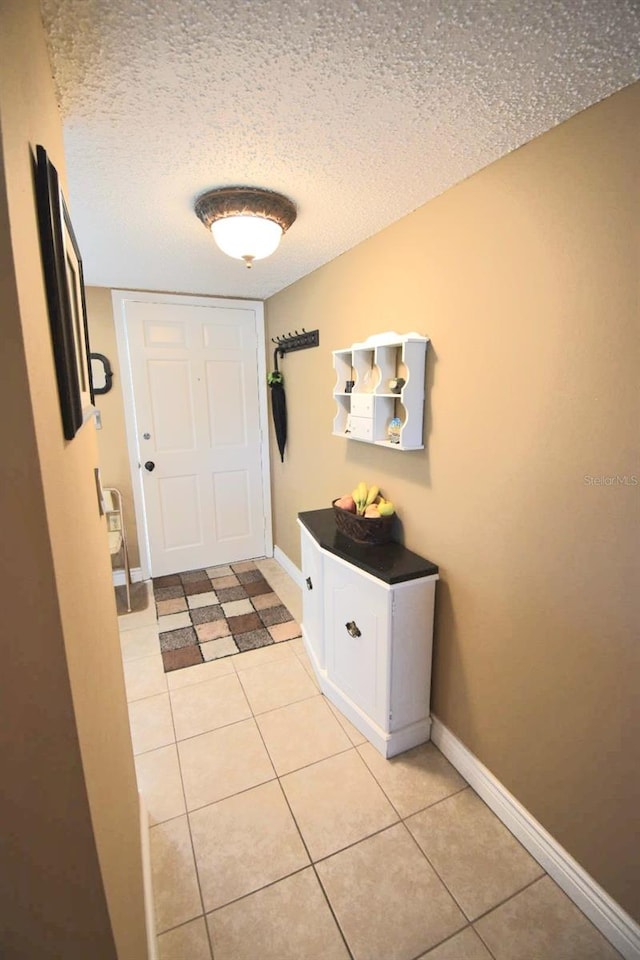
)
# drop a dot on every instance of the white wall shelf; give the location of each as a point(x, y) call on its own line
point(365, 412)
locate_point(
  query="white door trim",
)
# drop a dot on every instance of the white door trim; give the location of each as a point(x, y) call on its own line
point(119, 299)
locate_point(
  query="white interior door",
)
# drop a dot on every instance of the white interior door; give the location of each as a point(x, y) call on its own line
point(196, 372)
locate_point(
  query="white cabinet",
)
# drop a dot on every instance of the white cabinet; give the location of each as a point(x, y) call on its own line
point(367, 627)
point(377, 381)
point(312, 596)
point(358, 626)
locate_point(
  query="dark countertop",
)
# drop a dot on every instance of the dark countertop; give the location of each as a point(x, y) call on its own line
point(389, 562)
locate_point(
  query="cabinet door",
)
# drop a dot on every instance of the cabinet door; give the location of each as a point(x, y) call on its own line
point(312, 596)
point(362, 428)
point(362, 405)
point(357, 621)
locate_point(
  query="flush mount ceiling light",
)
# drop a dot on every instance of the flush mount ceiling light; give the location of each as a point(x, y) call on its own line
point(246, 222)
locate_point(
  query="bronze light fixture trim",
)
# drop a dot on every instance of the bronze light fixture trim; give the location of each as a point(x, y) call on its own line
point(246, 202)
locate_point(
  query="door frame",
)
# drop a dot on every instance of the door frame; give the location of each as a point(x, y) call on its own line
point(119, 299)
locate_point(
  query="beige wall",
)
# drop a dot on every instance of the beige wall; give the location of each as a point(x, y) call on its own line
point(112, 438)
point(526, 278)
point(71, 863)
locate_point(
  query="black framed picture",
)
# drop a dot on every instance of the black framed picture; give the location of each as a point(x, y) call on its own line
point(64, 283)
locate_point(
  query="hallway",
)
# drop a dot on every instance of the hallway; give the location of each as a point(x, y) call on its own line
point(279, 833)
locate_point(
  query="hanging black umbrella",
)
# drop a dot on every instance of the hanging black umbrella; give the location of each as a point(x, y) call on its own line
point(278, 405)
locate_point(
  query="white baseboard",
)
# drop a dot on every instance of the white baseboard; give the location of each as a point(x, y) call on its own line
point(119, 577)
point(288, 566)
point(612, 921)
point(149, 915)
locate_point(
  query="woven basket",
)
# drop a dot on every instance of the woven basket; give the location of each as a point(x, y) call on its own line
point(363, 529)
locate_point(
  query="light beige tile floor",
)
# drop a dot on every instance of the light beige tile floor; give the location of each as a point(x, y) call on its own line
point(279, 833)
point(301, 733)
point(245, 842)
point(144, 677)
point(464, 840)
point(208, 706)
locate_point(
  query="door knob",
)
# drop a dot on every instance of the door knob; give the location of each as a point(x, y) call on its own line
point(352, 629)
point(309, 584)
point(149, 465)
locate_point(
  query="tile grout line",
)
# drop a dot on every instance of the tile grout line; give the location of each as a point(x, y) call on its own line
point(287, 773)
point(312, 863)
point(302, 840)
point(186, 923)
point(483, 942)
point(193, 849)
point(313, 763)
point(276, 775)
point(229, 657)
point(500, 903)
point(298, 700)
point(147, 696)
point(265, 886)
point(511, 896)
point(219, 800)
point(441, 879)
point(436, 803)
point(495, 906)
point(186, 815)
point(333, 914)
point(414, 812)
point(236, 670)
point(340, 718)
point(425, 953)
point(350, 846)
point(254, 716)
point(304, 766)
point(282, 706)
point(375, 779)
point(375, 833)
point(448, 939)
point(307, 851)
point(232, 796)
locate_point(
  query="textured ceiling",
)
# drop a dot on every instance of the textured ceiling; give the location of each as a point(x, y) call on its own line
point(359, 110)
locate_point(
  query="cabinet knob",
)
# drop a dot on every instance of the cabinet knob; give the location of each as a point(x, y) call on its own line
point(309, 584)
point(352, 629)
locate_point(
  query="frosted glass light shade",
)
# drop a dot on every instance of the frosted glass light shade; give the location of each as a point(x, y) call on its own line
point(246, 238)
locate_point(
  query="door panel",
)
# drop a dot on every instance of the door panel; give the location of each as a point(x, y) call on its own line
point(180, 515)
point(223, 335)
point(167, 334)
point(194, 373)
point(233, 510)
point(227, 407)
point(171, 404)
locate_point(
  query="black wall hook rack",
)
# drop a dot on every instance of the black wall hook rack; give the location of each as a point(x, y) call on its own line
point(296, 341)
